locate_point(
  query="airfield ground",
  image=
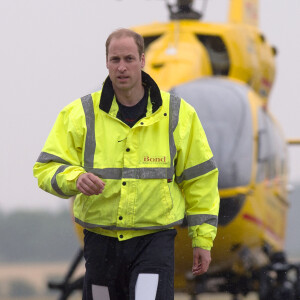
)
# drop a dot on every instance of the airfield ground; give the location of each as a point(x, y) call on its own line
point(177, 297)
point(37, 275)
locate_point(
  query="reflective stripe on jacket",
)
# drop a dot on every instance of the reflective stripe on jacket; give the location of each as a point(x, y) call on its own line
point(155, 173)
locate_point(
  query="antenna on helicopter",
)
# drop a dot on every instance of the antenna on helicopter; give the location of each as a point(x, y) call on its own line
point(183, 10)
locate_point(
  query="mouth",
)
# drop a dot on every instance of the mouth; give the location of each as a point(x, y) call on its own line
point(123, 78)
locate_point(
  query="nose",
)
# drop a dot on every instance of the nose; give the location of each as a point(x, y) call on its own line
point(121, 67)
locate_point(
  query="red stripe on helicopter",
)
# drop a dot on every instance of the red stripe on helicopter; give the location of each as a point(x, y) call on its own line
point(266, 82)
point(260, 223)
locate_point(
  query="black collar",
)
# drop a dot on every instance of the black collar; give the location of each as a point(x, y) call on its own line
point(107, 94)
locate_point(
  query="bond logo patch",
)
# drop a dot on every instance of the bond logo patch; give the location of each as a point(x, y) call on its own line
point(150, 159)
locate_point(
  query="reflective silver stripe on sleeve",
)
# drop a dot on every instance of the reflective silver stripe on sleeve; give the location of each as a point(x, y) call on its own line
point(89, 225)
point(54, 181)
point(45, 157)
point(173, 121)
point(194, 220)
point(90, 142)
point(197, 170)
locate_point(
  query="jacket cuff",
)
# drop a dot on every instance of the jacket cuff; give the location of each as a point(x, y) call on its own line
point(202, 242)
point(69, 179)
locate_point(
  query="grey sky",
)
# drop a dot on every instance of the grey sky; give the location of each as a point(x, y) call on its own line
point(52, 52)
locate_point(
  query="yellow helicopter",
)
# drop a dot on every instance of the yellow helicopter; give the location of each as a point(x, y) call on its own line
point(226, 72)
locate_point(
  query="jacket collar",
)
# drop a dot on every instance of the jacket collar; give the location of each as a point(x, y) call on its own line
point(107, 94)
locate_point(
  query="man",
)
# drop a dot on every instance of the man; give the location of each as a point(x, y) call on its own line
point(138, 161)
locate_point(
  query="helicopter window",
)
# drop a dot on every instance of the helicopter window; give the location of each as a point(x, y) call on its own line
point(217, 52)
point(271, 148)
point(224, 111)
point(262, 38)
point(150, 39)
point(229, 208)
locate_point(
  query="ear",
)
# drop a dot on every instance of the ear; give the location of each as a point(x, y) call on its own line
point(143, 60)
point(106, 64)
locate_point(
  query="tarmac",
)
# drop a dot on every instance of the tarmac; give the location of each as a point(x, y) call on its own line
point(224, 296)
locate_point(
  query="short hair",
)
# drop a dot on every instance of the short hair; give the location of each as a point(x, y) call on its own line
point(124, 32)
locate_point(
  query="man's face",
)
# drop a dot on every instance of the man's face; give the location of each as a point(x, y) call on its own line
point(124, 64)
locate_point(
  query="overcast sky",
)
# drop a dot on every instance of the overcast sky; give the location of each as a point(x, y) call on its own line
point(52, 52)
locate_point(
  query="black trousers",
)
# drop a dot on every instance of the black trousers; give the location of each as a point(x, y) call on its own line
point(116, 266)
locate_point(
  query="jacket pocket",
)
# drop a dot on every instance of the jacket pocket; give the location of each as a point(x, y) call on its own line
point(168, 195)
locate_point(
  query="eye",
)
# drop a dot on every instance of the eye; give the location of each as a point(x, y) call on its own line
point(114, 59)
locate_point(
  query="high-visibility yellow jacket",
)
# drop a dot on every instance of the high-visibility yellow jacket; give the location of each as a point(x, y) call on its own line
point(156, 173)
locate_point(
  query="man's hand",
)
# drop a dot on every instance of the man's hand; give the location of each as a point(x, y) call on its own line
point(89, 184)
point(201, 261)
